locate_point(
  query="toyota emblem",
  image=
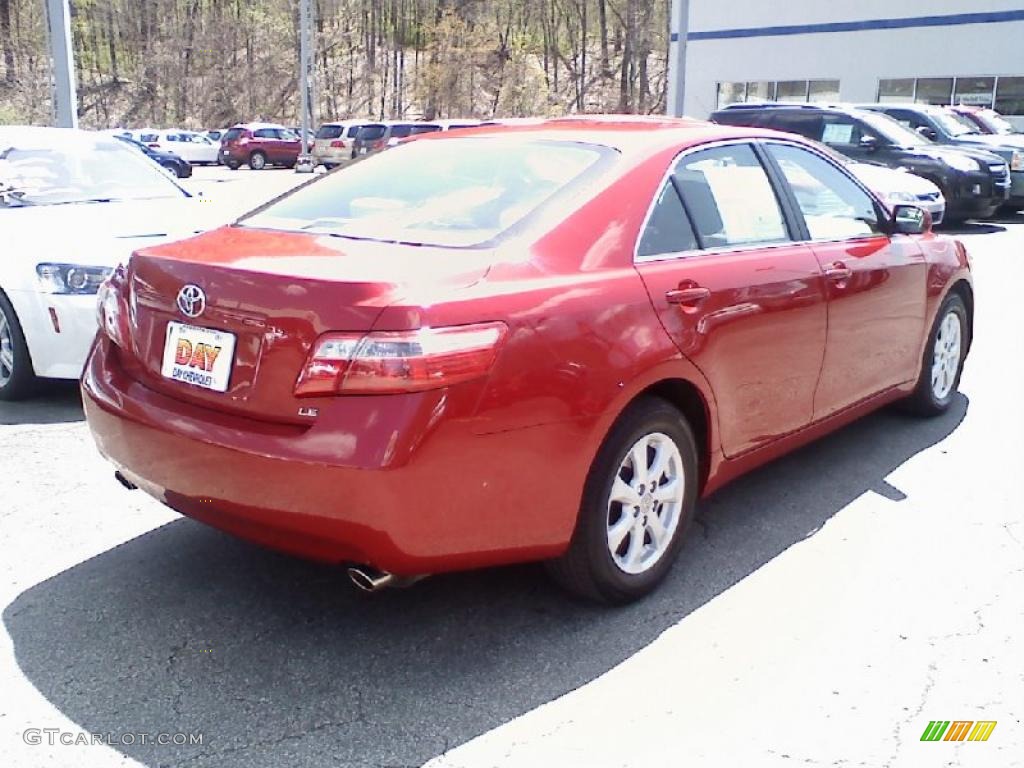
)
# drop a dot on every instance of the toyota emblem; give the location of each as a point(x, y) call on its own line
point(191, 300)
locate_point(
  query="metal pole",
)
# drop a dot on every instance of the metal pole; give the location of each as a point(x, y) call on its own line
point(65, 96)
point(679, 24)
point(305, 22)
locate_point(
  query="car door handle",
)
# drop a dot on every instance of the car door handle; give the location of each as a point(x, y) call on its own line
point(838, 272)
point(692, 295)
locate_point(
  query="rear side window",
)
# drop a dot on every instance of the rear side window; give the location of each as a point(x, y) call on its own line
point(265, 133)
point(232, 134)
point(668, 228)
point(806, 124)
point(729, 197)
point(330, 131)
point(834, 207)
point(371, 132)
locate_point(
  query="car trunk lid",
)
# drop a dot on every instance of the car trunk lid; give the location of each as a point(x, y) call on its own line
point(275, 293)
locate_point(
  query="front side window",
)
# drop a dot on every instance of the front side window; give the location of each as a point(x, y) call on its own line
point(668, 228)
point(465, 191)
point(833, 206)
point(729, 198)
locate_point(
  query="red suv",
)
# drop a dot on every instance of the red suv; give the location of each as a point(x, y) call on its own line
point(259, 145)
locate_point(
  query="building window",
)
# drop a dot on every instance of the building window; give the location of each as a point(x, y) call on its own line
point(761, 91)
point(785, 90)
point(974, 91)
point(934, 90)
point(731, 93)
point(791, 90)
point(1010, 96)
point(823, 90)
point(896, 91)
point(1005, 94)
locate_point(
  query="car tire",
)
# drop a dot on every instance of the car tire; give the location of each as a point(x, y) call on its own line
point(17, 377)
point(234, 165)
point(943, 360)
point(613, 556)
point(257, 161)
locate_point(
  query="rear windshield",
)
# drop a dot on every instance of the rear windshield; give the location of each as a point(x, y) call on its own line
point(401, 131)
point(352, 131)
point(425, 129)
point(465, 192)
point(371, 132)
point(330, 131)
point(233, 133)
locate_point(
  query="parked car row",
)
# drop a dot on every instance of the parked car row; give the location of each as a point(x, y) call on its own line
point(977, 175)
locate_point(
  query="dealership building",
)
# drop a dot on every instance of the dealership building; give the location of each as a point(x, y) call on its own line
point(933, 51)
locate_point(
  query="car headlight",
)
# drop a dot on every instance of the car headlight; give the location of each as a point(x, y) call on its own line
point(1017, 161)
point(900, 197)
point(961, 162)
point(71, 278)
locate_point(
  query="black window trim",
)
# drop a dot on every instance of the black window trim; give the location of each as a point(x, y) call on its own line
point(792, 228)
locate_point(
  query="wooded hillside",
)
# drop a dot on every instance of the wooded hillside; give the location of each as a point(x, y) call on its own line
point(209, 63)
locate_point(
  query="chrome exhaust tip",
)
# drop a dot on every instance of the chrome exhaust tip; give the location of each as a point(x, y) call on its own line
point(371, 580)
point(125, 481)
point(368, 579)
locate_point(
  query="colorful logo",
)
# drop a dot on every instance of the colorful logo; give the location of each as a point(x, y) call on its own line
point(958, 730)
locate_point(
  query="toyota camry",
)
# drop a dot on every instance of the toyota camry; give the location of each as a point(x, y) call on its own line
point(543, 342)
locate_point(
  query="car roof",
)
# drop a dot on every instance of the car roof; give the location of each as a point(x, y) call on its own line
point(628, 134)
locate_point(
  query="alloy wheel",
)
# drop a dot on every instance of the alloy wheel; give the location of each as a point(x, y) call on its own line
point(6, 350)
point(946, 356)
point(645, 504)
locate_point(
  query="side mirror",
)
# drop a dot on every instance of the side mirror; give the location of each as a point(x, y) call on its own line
point(928, 133)
point(911, 220)
point(870, 143)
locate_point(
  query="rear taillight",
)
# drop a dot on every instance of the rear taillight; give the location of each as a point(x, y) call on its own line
point(153, 146)
point(404, 361)
point(337, 144)
point(379, 144)
point(112, 309)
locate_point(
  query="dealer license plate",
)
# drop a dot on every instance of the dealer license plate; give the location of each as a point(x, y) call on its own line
point(200, 356)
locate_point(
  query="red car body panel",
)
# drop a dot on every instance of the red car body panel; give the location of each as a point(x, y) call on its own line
point(492, 470)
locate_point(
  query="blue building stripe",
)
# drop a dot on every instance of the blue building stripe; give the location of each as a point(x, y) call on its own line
point(952, 20)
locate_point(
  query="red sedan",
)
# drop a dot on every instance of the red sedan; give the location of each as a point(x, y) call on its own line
point(510, 344)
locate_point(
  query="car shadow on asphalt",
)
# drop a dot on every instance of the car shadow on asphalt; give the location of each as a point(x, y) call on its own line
point(971, 228)
point(280, 662)
point(55, 402)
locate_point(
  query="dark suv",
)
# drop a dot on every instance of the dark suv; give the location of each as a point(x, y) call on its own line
point(974, 182)
point(944, 126)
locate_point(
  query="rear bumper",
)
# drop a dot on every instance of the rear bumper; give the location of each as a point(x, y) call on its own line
point(396, 485)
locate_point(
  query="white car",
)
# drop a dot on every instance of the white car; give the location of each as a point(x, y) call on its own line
point(196, 148)
point(902, 187)
point(73, 204)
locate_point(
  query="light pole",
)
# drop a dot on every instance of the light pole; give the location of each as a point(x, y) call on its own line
point(679, 24)
point(65, 97)
point(305, 160)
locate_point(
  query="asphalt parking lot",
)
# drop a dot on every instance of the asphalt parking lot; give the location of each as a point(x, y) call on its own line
point(826, 608)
